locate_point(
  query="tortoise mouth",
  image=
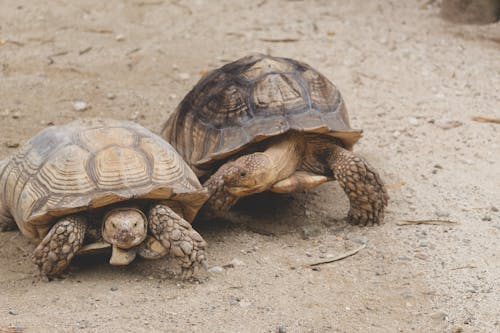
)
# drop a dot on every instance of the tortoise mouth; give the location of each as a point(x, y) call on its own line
point(126, 239)
point(244, 190)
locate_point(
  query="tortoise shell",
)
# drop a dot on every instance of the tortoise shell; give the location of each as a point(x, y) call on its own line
point(249, 100)
point(89, 164)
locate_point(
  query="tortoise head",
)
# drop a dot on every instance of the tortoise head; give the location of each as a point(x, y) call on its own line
point(124, 227)
point(248, 174)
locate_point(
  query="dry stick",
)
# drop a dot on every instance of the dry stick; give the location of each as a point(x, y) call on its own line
point(431, 222)
point(395, 185)
point(486, 120)
point(279, 40)
point(10, 330)
point(340, 257)
point(463, 267)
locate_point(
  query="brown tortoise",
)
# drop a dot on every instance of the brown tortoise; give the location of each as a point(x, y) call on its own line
point(69, 184)
point(268, 123)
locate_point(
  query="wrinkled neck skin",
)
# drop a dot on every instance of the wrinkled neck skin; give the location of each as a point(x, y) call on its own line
point(285, 154)
point(258, 172)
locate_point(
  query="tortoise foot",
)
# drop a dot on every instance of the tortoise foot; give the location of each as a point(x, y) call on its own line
point(57, 249)
point(220, 201)
point(180, 239)
point(362, 184)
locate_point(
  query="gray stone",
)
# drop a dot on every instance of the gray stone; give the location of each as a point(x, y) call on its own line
point(310, 230)
point(216, 270)
point(80, 106)
point(439, 315)
point(441, 213)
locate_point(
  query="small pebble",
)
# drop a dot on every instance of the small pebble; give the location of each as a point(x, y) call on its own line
point(396, 134)
point(361, 241)
point(110, 96)
point(82, 324)
point(441, 213)
point(11, 144)
point(310, 230)
point(422, 256)
point(281, 328)
point(216, 270)
point(236, 262)
point(447, 123)
point(120, 38)
point(316, 269)
point(114, 288)
point(245, 304)
point(13, 312)
point(486, 218)
point(439, 315)
point(184, 76)
point(413, 121)
point(234, 301)
point(80, 106)
point(494, 209)
point(134, 115)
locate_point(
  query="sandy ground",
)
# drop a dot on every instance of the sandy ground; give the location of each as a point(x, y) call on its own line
point(405, 75)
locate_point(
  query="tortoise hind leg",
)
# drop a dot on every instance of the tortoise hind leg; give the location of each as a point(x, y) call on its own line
point(6, 220)
point(178, 238)
point(7, 223)
point(57, 249)
point(362, 184)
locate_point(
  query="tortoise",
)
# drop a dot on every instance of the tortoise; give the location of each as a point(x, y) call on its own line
point(74, 186)
point(269, 123)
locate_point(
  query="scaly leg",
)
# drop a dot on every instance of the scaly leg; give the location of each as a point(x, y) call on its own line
point(57, 249)
point(178, 237)
point(362, 184)
point(221, 200)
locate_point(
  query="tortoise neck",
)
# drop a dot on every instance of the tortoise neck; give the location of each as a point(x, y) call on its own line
point(285, 154)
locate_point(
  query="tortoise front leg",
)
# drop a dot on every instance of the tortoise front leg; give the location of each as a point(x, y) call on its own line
point(178, 237)
point(57, 249)
point(221, 200)
point(362, 184)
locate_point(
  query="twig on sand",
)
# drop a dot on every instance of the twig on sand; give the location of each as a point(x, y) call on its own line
point(10, 329)
point(463, 267)
point(340, 257)
point(431, 222)
point(395, 185)
point(486, 120)
point(279, 40)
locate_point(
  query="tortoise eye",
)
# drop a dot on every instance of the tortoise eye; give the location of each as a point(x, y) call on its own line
point(243, 173)
point(135, 224)
point(114, 225)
